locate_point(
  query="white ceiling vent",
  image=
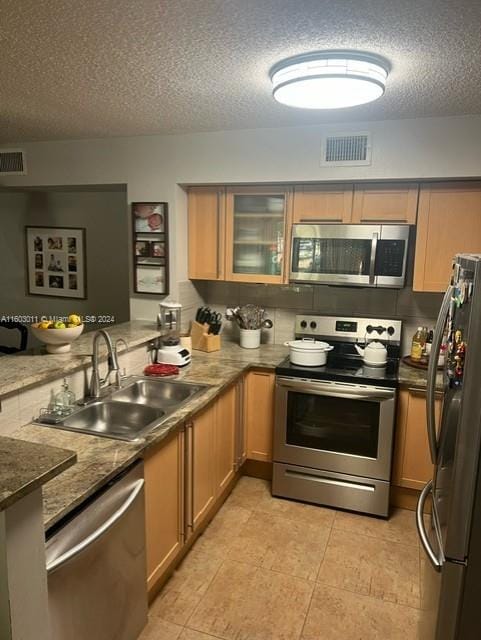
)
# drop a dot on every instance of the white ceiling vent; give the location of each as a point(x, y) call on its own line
point(12, 162)
point(346, 150)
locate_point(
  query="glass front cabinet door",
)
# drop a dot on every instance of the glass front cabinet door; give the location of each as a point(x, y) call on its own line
point(257, 242)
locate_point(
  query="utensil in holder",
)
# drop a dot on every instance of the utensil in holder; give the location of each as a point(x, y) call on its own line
point(202, 340)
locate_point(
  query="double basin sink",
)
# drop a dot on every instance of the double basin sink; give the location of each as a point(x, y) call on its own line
point(129, 413)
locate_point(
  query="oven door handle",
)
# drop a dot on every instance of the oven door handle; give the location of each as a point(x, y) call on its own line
point(318, 388)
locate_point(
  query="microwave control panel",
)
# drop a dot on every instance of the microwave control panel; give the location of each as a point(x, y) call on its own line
point(390, 257)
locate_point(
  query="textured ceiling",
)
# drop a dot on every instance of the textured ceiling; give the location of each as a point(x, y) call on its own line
point(98, 68)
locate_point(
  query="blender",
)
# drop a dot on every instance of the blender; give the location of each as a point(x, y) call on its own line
point(171, 351)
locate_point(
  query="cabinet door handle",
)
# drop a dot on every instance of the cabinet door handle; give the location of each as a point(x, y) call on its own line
point(181, 454)
point(217, 271)
point(189, 479)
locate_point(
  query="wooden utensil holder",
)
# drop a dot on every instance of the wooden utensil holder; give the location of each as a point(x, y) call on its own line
point(203, 341)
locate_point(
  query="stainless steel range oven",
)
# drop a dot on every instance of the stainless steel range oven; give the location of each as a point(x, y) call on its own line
point(334, 425)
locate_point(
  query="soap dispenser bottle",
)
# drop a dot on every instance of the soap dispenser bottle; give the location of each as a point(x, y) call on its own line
point(65, 398)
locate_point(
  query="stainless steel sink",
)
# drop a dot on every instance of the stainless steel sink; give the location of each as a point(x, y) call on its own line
point(119, 420)
point(129, 413)
point(157, 393)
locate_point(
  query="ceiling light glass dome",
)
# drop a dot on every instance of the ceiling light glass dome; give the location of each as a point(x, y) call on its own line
point(329, 79)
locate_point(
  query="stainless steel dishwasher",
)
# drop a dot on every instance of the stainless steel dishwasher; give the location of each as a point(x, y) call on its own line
point(97, 582)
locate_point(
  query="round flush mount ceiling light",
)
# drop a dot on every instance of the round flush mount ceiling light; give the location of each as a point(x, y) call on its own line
point(329, 79)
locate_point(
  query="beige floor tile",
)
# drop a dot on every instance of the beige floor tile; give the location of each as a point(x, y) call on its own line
point(335, 614)
point(183, 591)
point(158, 629)
point(249, 492)
point(281, 544)
point(218, 536)
point(255, 494)
point(190, 634)
point(385, 570)
point(248, 603)
point(401, 526)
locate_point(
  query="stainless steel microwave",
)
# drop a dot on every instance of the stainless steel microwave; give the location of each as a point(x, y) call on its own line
point(350, 254)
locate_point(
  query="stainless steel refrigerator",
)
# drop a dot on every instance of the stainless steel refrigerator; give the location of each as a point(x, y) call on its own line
point(451, 533)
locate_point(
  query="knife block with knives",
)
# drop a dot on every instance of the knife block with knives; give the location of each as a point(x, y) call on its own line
point(202, 340)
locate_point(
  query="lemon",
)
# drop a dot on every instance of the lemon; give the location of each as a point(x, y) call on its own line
point(44, 325)
point(74, 320)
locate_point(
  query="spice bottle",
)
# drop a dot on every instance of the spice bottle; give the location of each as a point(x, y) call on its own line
point(417, 346)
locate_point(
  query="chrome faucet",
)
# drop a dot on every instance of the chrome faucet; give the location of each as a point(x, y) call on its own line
point(96, 383)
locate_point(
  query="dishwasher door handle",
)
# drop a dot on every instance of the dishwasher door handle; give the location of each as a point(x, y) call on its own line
point(98, 533)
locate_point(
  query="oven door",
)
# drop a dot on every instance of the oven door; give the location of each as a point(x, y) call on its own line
point(333, 426)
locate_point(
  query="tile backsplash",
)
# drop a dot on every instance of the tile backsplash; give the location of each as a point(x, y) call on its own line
point(283, 302)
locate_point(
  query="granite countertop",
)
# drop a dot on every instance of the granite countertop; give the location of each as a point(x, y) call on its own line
point(26, 369)
point(25, 466)
point(416, 378)
point(101, 459)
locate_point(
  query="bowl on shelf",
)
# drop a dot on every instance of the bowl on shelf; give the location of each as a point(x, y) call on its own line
point(57, 340)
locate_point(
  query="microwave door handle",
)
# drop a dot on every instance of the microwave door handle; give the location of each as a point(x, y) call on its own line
point(372, 264)
point(432, 373)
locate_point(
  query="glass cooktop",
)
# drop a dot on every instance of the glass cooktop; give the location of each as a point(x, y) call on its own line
point(344, 369)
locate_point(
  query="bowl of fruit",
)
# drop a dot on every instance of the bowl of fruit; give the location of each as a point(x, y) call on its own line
point(58, 336)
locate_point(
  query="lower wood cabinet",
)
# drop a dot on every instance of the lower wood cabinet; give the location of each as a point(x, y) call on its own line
point(201, 466)
point(211, 455)
point(187, 474)
point(259, 414)
point(412, 466)
point(226, 422)
point(164, 505)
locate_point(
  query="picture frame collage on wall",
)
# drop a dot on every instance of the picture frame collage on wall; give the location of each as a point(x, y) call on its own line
point(150, 247)
point(56, 262)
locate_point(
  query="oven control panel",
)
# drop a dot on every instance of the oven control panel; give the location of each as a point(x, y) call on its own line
point(349, 329)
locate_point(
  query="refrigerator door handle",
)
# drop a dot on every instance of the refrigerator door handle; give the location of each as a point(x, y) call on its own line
point(433, 558)
point(432, 371)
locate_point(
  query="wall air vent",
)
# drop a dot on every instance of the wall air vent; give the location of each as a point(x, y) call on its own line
point(12, 162)
point(346, 150)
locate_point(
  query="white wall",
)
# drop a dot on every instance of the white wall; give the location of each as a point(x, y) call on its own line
point(153, 166)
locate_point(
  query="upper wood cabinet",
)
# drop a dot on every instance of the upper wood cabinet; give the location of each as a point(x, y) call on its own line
point(206, 220)
point(449, 222)
point(385, 202)
point(259, 414)
point(257, 233)
point(164, 505)
point(322, 203)
point(412, 466)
